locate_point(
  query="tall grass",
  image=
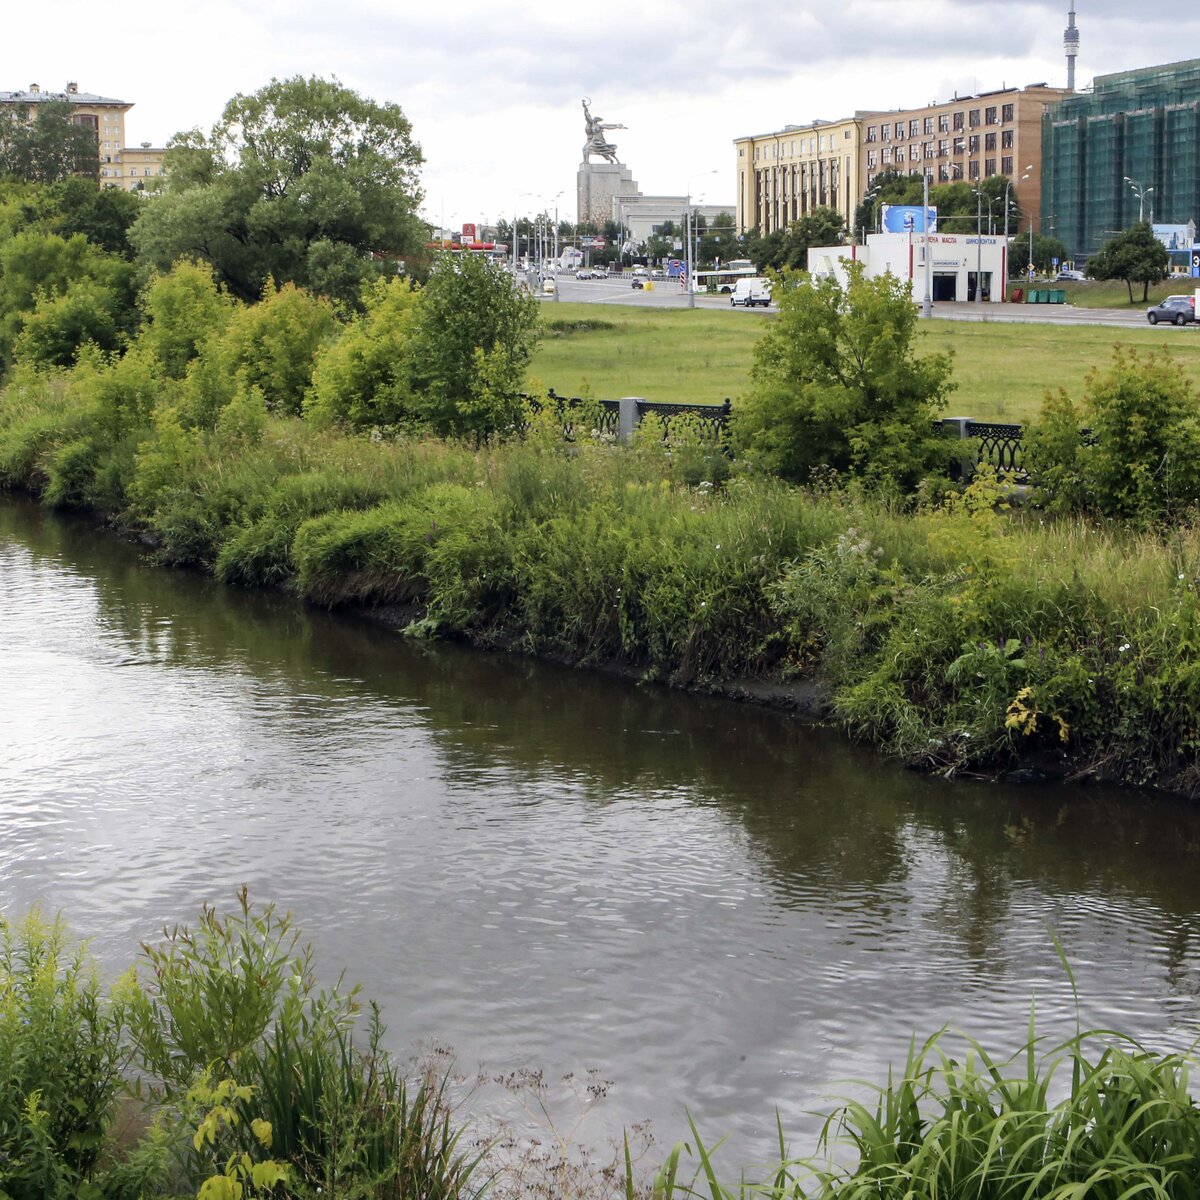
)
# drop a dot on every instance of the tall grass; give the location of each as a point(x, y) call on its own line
point(1097, 1116)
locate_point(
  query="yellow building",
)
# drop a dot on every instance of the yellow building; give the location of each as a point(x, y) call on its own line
point(120, 165)
point(783, 176)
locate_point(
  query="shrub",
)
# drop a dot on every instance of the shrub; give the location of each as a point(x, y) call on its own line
point(61, 1058)
point(836, 384)
point(1143, 460)
point(182, 309)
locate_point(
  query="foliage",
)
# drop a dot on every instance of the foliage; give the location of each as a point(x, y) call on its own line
point(87, 312)
point(471, 339)
point(787, 249)
point(61, 1058)
point(1047, 252)
point(181, 309)
point(961, 1121)
point(300, 182)
point(836, 383)
point(50, 146)
point(1134, 255)
point(1142, 458)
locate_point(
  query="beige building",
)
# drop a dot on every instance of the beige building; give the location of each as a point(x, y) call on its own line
point(964, 139)
point(783, 176)
point(120, 166)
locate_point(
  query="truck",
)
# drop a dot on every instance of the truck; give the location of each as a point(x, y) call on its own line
point(751, 291)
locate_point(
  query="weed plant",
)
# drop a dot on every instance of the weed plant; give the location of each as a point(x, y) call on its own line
point(958, 1121)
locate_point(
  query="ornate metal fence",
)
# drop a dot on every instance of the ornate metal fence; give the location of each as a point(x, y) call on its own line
point(618, 418)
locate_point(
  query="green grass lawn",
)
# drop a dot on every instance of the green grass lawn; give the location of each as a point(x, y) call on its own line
point(1114, 294)
point(1002, 371)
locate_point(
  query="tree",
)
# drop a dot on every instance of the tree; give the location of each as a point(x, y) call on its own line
point(788, 249)
point(1046, 250)
point(48, 147)
point(472, 337)
point(300, 182)
point(836, 383)
point(1135, 256)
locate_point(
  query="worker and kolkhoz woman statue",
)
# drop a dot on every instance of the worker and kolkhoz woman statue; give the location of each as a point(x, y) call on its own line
point(597, 143)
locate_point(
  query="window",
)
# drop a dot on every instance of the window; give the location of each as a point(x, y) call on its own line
point(899, 129)
point(944, 123)
point(944, 173)
point(973, 144)
point(928, 125)
point(959, 144)
point(741, 152)
point(885, 132)
point(989, 116)
point(1006, 113)
point(956, 170)
point(1006, 166)
point(989, 166)
point(871, 131)
point(1006, 139)
point(989, 141)
point(914, 128)
point(929, 152)
point(823, 142)
point(872, 159)
point(944, 148)
point(973, 118)
point(958, 121)
point(887, 154)
point(974, 172)
point(914, 153)
point(846, 136)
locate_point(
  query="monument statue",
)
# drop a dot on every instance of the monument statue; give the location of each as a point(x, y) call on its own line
point(596, 143)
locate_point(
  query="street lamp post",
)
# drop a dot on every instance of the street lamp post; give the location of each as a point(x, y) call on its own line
point(1141, 193)
point(927, 301)
point(978, 246)
point(691, 285)
point(1025, 175)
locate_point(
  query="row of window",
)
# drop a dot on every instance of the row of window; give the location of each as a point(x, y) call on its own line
point(810, 146)
point(919, 126)
point(960, 146)
point(116, 174)
point(951, 172)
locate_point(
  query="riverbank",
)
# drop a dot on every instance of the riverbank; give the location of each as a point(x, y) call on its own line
point(958, 636)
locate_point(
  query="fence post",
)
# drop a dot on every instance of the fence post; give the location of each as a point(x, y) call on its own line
point(966, 460)
point(627, 418)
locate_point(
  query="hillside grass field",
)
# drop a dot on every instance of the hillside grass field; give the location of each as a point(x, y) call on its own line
point(1002, 371)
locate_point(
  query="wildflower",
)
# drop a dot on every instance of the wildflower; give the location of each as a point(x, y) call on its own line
point(1122, 648)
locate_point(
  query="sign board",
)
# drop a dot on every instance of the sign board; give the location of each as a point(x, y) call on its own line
point(591, 243)
point(1196, 262)
point(908, 218)
point(468, 232)
point(1054, 263)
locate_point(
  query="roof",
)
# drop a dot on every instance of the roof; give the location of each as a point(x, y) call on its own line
point(38, 97)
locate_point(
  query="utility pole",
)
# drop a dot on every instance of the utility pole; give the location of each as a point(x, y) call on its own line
point(927, 302)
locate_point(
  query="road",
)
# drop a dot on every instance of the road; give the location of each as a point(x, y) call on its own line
point(668, 294)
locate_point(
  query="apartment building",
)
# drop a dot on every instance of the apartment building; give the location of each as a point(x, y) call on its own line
point(783, 176)
point(965, 139)
point(1129, 150)
point(120, 166)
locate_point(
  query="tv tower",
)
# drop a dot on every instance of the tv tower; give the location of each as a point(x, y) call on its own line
point(1071, 46)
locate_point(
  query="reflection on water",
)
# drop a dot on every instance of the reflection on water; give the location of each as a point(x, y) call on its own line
point(713, 905)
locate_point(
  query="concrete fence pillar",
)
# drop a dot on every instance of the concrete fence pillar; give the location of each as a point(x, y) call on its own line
point(627, 418)
point(966, 457)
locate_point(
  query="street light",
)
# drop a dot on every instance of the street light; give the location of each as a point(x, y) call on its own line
point(1141, 193)
point(691, 287)
point(978, 246)
point(1028, 171)
point(927, 302)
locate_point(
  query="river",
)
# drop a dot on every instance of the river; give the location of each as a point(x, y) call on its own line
point(712, 907)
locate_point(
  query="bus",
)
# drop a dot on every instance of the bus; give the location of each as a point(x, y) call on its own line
point(723, 280)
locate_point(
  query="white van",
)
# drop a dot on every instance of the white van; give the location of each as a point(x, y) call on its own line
point(749, 292)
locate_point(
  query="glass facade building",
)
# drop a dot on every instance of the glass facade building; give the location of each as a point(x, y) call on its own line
point(1139, 125)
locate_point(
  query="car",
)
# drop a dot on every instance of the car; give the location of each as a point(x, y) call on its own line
point(549, 287)
point(656, 274)
point(600, 272)
point(749, 292)
point(1069, 276)
point(585, 273)
point(640, 273)
point(1178, 310)
point(638, 282)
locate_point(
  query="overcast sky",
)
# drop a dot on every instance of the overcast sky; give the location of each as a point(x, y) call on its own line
point(493, 89)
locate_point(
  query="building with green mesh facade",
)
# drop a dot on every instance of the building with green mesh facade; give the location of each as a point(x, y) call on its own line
point(1134, 125)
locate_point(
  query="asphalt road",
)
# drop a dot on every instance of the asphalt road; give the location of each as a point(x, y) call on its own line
point(668, 294)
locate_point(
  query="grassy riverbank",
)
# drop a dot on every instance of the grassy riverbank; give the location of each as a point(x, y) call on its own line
point(1002, 371)
point(955, 636)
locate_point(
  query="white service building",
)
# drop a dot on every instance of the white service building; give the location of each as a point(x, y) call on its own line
point(957, 261)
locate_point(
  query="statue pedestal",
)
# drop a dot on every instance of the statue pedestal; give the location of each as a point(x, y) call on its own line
point(597, 184)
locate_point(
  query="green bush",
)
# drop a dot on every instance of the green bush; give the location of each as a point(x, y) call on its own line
point(836, 383)
point(1143, 458)
point(61, 1059)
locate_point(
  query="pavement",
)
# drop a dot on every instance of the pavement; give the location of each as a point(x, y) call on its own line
point(667, 293)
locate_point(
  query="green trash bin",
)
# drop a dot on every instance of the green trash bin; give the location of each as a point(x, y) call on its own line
point(1034, 296)
point(1058, 296)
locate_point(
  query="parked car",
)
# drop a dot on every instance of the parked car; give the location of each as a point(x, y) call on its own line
point(749, 292)
point(585, 273)
point(656, 274)
point(1069, 276)
point(1178, 310)
point(640, 273)
point(600, 272)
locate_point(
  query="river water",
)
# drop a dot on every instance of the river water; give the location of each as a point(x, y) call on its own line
point(712, 907)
